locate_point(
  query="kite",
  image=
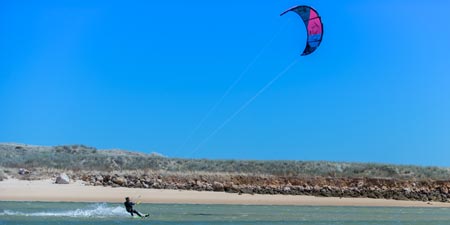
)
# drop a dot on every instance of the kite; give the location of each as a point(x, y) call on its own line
point(313, 24)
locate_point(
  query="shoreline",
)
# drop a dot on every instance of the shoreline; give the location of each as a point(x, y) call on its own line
point(47, 191)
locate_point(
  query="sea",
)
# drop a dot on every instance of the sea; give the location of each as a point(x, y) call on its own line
point(37, 213)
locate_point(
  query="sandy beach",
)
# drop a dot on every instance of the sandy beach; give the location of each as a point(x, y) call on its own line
point(46, 190)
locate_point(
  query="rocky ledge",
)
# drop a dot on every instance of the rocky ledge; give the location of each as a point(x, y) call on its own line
point(425, 190)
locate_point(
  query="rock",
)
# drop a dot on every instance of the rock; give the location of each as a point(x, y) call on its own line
point(286, 189)
point(407, 190)
point(360, 184)
point(62, 179)
point(228, 185)
point(106, 178)
point(23, 171)
point(85, 177)
point(181, 186)
point(231, 187)
point(209, 187)
point(121, 181)
point(234, 188)
point(217, 186)
point(317, 188)
point(444, 189)
point(131, 184)
point(99, 178)
point(246, 190)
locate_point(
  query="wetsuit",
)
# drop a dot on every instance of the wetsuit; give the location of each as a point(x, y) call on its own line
point(129, 208)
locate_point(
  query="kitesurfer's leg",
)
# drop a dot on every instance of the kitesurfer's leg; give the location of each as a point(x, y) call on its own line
point(134, 211)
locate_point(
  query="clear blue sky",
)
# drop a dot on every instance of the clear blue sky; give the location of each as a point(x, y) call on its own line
point(141, 75)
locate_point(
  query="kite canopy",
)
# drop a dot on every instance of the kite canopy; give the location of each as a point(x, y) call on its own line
point(313, 24)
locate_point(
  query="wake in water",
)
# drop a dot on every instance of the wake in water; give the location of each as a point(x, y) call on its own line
point(95, 210)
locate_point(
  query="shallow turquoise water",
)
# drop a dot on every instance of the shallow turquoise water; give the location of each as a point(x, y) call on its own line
point(37, 213)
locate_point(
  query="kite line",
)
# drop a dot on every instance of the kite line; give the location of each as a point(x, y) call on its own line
point(231, 87)
point(245, 105)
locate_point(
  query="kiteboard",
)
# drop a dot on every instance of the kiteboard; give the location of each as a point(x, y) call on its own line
point(143, 217)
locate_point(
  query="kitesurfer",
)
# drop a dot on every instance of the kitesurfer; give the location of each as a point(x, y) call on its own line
point(129, 207)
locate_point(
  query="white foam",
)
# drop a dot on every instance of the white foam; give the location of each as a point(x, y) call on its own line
point(97, 210)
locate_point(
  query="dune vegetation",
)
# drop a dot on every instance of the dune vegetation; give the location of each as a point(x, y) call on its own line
point(85, 158)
